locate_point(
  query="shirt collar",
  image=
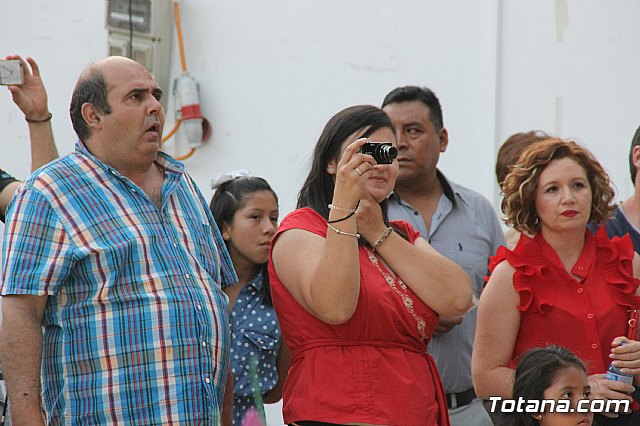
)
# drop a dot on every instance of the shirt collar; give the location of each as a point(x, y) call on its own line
point(163, 160)
point(446, 187)
point(450, 189)
point(585, 260)
point(256, 282)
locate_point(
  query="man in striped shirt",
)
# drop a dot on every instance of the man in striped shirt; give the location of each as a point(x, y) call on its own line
point(113, 271)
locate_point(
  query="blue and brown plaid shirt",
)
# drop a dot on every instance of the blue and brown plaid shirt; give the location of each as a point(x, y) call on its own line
point(135, 328)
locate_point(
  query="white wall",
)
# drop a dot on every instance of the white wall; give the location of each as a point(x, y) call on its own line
point(573, 69)
point(273, 72)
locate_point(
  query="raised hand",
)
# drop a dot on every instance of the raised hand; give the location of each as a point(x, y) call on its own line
point(31, 97)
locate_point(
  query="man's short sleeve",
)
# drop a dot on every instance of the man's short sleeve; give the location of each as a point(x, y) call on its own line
point(227, 272)
point(37, 252)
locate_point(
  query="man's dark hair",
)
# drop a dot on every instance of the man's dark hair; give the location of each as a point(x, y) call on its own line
point(93, 90)
point(422, 94)
point(634, 142)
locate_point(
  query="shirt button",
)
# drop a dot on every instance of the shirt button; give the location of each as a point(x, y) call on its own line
point(199, 307)
point(175, 245)
point(207, 380)
point(590, 316)
point(188, 276)
point(580, 268)
point(580, 290)
point(204, 344)
point(594, 346)
point(416, 213)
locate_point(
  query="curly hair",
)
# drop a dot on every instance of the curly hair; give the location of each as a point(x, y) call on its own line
point(511, 149)
point(519, 187)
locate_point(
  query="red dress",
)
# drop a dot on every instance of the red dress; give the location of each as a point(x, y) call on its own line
point(373, 368)
point(583, 316)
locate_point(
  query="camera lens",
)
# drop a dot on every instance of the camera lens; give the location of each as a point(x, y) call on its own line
point(385, 153)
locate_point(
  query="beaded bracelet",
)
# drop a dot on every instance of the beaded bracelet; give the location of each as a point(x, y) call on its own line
point(344, 209)
point(382, 238)
point(339, 232)
point(44, 120)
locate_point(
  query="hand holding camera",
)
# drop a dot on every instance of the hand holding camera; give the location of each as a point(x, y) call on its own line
point(11, 72)
point(30, 95)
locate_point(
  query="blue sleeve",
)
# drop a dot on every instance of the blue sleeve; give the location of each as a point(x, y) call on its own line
point(37, 253)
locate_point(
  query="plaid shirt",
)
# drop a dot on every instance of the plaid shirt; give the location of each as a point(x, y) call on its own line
point(135, 328)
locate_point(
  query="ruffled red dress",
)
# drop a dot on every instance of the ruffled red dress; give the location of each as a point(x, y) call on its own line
point(373, 368)
point(582, 315)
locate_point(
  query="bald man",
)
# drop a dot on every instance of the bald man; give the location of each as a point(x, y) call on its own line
point(113, 311)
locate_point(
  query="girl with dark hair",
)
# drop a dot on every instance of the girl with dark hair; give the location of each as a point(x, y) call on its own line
point(358, 296)
point(552, 373)
point(246, 211)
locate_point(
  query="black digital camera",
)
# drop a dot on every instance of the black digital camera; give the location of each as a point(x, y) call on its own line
point(382, 152)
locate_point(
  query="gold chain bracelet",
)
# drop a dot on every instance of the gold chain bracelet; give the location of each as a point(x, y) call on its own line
point(339, 232)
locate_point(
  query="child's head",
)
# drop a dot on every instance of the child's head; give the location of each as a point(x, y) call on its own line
point(552, 373)
point(246, 211)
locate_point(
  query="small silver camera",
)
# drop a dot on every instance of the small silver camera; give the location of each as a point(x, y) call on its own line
point(11, 72)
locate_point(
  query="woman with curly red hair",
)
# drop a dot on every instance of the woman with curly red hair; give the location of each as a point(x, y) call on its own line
point(563, 285)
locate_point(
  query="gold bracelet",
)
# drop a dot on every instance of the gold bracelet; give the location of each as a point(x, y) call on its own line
point(339, 232)
point(382, 238)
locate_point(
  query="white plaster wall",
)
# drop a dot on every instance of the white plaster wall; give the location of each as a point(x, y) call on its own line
point(572, 68)
point(273, 72)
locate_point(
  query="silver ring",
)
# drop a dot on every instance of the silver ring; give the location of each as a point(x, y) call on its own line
point(358, 171)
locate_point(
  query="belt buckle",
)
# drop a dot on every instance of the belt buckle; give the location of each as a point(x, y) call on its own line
point(454, 401)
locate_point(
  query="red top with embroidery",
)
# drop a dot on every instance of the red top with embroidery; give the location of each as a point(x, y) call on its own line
point(371, 369)
point(582, 315)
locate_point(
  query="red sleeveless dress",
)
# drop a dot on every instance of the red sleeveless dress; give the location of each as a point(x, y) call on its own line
point(582, 315)
point(372, 369)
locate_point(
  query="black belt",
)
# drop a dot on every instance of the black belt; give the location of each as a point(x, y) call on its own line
point(462, 398)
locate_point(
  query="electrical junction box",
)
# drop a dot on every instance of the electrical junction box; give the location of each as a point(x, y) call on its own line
point(142, 30)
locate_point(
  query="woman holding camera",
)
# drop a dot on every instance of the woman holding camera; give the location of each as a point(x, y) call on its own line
point(357, 297)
